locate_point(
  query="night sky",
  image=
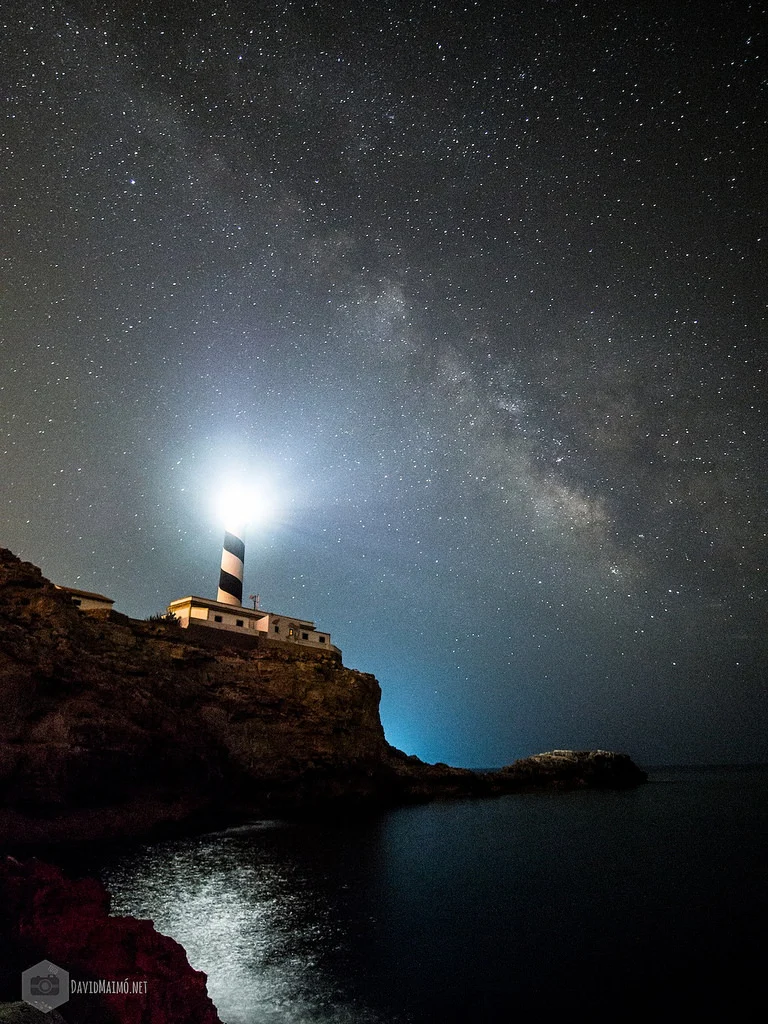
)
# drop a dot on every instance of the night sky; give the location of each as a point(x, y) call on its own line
point(477, 290)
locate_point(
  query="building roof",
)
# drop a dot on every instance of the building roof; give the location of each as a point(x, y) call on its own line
point(74, 592)
point(207, 602)
point(239, 609)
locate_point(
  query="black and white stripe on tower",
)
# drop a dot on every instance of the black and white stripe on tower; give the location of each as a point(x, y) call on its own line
point(231, 575)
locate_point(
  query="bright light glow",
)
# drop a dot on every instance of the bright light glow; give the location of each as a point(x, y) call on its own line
point(241, 505)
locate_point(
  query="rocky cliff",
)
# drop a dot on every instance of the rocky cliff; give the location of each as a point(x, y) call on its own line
point(47, 916)
point(112, 726)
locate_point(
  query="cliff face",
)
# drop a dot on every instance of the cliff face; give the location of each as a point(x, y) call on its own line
point(126, 721)
point(110, 726)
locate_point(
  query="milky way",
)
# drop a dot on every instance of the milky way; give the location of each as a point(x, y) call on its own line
point(479, 289)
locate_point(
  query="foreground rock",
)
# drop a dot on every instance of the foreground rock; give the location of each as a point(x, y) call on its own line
point(110, 726)
point(47, 916)
point(23, 1013)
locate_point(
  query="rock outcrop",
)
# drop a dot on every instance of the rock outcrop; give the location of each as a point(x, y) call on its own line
point(23, 1013)
point(576, 769)
point(47, 916)
point(111, 726)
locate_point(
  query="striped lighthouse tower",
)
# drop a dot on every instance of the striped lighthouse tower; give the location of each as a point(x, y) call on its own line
point(232, 560)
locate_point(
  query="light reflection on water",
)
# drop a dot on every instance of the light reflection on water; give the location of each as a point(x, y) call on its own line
point(475, 911)
point(253, 917)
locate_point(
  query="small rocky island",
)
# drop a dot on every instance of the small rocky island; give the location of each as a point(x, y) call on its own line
point(111, 726)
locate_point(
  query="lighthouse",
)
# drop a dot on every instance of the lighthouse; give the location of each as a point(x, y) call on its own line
point(238, 507)
point(231, 572)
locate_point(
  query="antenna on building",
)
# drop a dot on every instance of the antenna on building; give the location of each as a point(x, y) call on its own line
point(256, 598)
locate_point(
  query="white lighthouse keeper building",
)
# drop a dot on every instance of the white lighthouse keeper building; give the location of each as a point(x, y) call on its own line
point(227, 611)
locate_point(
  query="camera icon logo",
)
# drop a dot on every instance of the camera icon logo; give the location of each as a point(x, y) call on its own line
point(48, 986)
point(45, 986)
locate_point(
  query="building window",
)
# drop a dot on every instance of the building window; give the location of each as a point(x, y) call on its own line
point(305, 636)
point(217, 618)
point(238, 622)
point(277, 629)
point(76, 601)
point(321, 639)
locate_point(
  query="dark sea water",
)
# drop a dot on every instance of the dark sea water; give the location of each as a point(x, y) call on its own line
point(654, 900)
